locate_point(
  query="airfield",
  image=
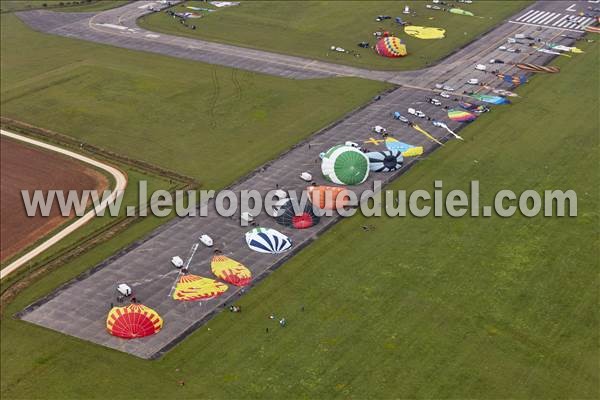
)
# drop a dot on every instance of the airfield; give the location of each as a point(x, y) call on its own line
point(79, 308)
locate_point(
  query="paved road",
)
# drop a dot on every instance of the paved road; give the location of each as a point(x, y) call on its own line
point(118, 27)
point(120, 185)
point(80, 307)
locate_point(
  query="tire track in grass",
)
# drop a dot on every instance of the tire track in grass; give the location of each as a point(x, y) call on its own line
point(236, 84)
point(214, 98)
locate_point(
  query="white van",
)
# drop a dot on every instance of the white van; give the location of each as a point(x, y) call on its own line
point(473, 81)
point(177, 262)
point(124, 289)
point(480, 67)
point(305, 176)
point(206, 240)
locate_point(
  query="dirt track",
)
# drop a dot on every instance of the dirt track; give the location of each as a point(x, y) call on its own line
point(30, 168)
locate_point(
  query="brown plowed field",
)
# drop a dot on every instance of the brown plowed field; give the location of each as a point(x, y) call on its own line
point(30, 168)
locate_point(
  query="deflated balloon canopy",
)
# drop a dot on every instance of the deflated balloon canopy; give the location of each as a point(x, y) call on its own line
point(194, 288)
point(133, 321)
point(390, 46)
point(305, 218)
point(345, 165)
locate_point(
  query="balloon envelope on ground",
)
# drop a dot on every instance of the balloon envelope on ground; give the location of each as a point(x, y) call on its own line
point(390, 46)
point(407, 150)
point(193, 288)
point(345, 165)
point(328, 197)
point(491, 99)
point(305, 218)
point(230, 271)
point(267, 240)
point(424, 32)
point(133, 321)
point(460, 115)
point(385, 161)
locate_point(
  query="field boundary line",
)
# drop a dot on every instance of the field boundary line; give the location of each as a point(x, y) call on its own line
point(120, 185)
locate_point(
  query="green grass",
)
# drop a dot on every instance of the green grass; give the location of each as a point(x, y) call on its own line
point(309, 29)
point(60, 5)
point(428, 308)
point(212, 123)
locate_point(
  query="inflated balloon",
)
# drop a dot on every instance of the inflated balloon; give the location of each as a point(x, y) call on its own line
point(345, 165)
point(390, 46)
point(267, 240)
point(133, 321)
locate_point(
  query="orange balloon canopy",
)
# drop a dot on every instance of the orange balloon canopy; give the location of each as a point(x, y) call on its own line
point(328, 197)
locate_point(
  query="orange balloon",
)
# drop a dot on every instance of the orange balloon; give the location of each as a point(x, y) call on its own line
point(328, 197)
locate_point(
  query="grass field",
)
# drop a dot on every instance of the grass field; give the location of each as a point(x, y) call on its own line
point(419, 307)
point(309, 29)
point(60, 5)
point(208, 122)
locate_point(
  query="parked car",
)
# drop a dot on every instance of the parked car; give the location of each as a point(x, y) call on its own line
point(480, 67)
point(177, 262)
point(448, 88)
point(445, 95)
point(247, 217)
point(473, 81)
point(206, 240)
point(306, 176)
point(400, 117)
point(352, 144)
point(435, 102)
point(124, 289)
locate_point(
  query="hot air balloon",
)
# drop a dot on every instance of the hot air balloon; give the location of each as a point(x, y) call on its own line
point(407, 150)
point(390, 46)
point(491, 99)
point(345, 165)
point(230, 271)
point(267, 240)
point(328, 197)
point(538, 68)
point(460, 115)
point(287, 216)
point(193, 288)
point(385, 161)
point(133, 321)
point(460, 11)
point(424, 32)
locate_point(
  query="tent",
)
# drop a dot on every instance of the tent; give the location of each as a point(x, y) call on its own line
point(390, 46)
point(133, 321)
point(328, 197)
point(385, 161)
point(460, 115)
point(230, 271)
point(193, 288)
point(287, 216)
point(424, 32)
point(267, 240)
point(345, 165)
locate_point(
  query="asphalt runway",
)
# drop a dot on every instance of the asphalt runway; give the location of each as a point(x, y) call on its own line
point(118, 27)
point(80, 307)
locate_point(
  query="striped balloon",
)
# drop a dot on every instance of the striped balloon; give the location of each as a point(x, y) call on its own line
point(267, 240)
point(385, 161)
point(460, 115)
point(538, 68)
point(390, 47)
point(133, 321)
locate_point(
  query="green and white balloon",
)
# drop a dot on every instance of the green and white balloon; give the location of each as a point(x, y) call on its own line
point(345, 165)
